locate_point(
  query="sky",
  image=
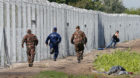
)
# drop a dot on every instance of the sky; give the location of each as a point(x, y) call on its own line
point(131, 3)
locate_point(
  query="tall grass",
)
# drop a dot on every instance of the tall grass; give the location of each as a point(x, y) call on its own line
point(127, 59)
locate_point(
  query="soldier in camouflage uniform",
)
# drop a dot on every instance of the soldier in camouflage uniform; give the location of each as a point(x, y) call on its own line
point(79, 39)
point(31, 42)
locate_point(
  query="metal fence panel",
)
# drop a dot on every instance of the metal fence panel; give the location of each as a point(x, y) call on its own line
point(41, 16)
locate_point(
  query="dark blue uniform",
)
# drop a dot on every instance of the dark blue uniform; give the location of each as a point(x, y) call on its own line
point(55, 39)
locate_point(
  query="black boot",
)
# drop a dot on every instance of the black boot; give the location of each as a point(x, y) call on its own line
point(30, 65)
point(54, 59)
point(79, 61)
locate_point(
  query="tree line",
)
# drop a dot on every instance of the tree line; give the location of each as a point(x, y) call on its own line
point(108, 6)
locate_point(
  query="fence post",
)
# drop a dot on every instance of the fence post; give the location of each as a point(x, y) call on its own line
point(13, 24)
point(1, 33)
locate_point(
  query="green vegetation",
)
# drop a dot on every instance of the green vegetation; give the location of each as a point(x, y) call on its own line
point(54, 74)
point(133, 11)
point(109, 6)
point(127, 59)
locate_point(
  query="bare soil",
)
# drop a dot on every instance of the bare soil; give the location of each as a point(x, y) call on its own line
point(68, 65)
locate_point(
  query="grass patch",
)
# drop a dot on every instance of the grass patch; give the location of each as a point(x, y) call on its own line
point(54, 74)
point(127, 59)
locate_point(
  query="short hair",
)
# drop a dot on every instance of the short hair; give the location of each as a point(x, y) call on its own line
point(77, 27)
point(117, 31)
point(55, 29)
point(29, 31)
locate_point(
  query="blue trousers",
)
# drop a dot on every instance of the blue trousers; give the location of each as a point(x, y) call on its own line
point(110, 44)
point(56, 50)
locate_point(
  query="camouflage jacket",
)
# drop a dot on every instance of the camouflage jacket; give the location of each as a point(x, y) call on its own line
point(79, 37)
point(30, 40)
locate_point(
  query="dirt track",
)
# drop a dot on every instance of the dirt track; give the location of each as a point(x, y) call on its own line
point(68, 65)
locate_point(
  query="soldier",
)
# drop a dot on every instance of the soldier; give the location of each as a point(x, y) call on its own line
point(55, 39)
point(31, 42)
point(79, 39)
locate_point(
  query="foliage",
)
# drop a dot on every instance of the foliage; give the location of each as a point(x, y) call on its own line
point(127, 59)
point(133, 11)
point(113, 6)
point(110, 6)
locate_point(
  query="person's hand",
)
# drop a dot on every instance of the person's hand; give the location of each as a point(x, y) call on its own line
point(46, 44)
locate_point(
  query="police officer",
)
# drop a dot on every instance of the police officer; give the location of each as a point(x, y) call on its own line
point(79, 39)
point(31, 43)
point(54, 39)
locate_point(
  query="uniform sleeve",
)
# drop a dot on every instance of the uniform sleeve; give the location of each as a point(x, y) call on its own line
point(85, 38)
point(48, 38)
point(36, 40)
point(72, 38)
point(59, 38)
point(24, 39)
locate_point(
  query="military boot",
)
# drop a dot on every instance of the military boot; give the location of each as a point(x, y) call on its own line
point(30, 65)
point(54, 59)
point(79, 61)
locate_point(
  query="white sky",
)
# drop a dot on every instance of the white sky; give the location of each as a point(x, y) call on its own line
point(132, 3)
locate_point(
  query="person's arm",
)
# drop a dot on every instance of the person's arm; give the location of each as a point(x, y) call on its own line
point(48, 38)
point(36, 40)
point(72, 38)
point(24, 40)
point(84, 38)
point(114, 36)
point(117, 35)
point(59, 38)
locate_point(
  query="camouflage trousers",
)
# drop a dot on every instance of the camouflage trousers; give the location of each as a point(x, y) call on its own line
point(30, 54)
point(79, 48)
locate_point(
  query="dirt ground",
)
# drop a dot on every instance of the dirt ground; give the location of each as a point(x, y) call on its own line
point(68, 65)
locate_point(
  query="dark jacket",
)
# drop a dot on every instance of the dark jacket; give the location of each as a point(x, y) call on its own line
point(54, 38)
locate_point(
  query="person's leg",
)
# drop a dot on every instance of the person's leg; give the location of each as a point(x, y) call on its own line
point(110, 44)
point(82, 55)
point(32, 56)
point(51, 49)
point(81, 51)
point(78, 56)
point(28, 55)
point(114, 46)
point(56, 52)
point(77, 52)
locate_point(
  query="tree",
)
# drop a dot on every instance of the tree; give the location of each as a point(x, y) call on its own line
point(133, 11)
point(110, 6)
point(113, 6)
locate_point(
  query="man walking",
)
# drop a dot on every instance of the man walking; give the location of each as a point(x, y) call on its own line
point(54, 39)
point(79, 39)
point(31, 43)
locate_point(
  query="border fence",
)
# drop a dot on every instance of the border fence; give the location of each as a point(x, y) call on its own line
point(16, 16)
